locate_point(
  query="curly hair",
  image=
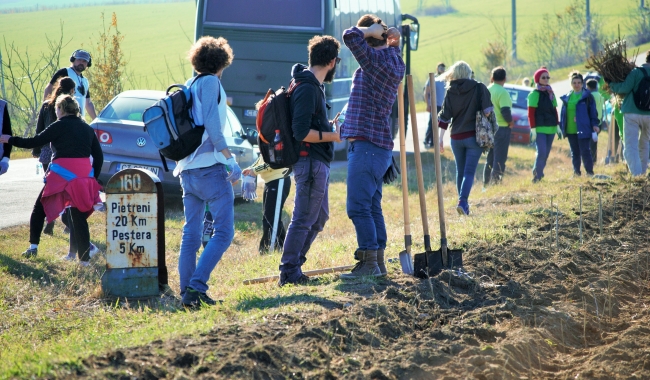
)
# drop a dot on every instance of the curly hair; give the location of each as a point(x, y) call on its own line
point(63, 85)
point(322, 50)
point(67, 104)
point(576, 75)
point(369, 19)
point(210, 55)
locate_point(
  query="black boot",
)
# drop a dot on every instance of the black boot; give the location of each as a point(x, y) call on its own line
point(367, 265)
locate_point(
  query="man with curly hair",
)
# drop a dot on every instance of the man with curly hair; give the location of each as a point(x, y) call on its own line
point(312, 171)
point(207, 173)
point(367, 127)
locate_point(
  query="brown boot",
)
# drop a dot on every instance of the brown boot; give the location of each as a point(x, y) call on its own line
point(380, 262)
point(367, 265)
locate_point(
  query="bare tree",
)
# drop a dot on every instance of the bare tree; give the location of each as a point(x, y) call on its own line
point(24, 78)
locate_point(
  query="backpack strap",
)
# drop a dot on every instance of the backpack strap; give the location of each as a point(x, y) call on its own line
point(644, 71)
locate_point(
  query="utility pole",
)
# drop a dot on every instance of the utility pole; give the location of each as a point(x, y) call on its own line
point(2, 78)
point(514, 30)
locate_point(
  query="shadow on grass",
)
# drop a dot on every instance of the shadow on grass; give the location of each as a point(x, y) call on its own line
point(23, 270)
point(257, 302)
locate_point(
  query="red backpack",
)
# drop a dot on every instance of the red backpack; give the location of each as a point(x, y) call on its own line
point(274, 114)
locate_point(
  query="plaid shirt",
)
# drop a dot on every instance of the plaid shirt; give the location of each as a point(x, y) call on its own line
point(374, 89)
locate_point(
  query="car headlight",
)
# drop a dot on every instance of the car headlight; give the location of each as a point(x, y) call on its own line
point(523, 122)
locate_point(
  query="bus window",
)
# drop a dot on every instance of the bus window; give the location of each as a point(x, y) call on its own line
point(303, 14)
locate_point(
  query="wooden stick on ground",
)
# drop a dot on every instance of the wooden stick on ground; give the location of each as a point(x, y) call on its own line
point(314, 272)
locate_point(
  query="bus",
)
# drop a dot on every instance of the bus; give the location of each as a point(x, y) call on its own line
point(269, 36)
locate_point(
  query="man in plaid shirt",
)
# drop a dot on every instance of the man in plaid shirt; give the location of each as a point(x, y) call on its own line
point(367, 127)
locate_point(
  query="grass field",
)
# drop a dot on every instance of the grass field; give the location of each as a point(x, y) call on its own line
point(157, 36)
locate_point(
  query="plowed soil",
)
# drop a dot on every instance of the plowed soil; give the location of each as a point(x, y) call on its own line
point(524, 309)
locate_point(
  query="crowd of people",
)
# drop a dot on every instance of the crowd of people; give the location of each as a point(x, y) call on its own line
point(580, 120)
point(72, 156)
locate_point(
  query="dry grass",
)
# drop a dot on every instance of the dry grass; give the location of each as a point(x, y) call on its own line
point(51, 311)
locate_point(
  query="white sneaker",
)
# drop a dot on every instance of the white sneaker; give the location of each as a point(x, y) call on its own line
point(71, 256)
point(93, 250)
point(84, 263)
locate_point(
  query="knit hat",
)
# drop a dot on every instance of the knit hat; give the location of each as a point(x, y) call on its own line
point(539, 73)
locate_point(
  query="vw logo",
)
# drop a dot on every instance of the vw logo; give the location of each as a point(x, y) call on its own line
point(141, 141)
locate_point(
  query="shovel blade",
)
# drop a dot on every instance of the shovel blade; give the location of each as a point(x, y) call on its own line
point(406, 262)
point(429, 264)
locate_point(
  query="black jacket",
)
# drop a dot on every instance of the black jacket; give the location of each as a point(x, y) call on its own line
point(460, 105)
point(46, 116)
point(309, 111)
point(71, 137)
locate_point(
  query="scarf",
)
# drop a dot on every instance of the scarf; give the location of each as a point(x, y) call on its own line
point(547, 89)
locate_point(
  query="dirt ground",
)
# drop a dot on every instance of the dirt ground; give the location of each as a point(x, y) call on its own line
point(522, 310)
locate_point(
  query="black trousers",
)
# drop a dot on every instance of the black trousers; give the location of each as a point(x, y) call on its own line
point(37, 220)
point(270, 203)
point(428, 137)
point(77, 223)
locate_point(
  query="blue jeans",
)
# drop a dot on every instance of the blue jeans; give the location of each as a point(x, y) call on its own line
point(200, 187)
point(467, 154)
point(367, 164)
point(310, 212)
point(580, 149)
point(495, 165)
point(544, 142)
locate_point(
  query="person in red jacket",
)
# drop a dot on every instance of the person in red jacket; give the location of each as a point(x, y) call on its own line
point(543, 119)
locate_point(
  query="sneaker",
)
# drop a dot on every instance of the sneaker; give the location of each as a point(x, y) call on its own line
point(71, 256)
point(84, 263)
point(30, 253)
point(93, 250)
point(463, 208)
point(302, 280)
point(49, 229)
point(194, 299)
point(66, 230)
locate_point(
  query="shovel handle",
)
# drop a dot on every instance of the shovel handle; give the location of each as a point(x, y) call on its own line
point(418, 158)
point(436, 137)
point(402, 159)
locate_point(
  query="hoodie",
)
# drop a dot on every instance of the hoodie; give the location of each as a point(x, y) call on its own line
point(309, 111)
point(460, 106)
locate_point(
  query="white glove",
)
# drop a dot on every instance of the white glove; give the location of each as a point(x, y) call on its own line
point(533, 135)
point(249, 188)
point(233, 169)
point(4, 165)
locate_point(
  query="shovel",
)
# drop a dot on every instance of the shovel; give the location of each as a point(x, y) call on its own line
point(418, 170)
point(404, 256)
point(430, 263)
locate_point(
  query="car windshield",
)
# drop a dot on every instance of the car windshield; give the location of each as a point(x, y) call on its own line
point(124, 108)
point(519, 97)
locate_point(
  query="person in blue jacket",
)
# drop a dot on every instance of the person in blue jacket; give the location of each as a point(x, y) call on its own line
point(579, 121)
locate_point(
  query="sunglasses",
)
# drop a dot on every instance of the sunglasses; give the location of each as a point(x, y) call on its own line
point(544, 77)
point(81, 89)
point(338, 60)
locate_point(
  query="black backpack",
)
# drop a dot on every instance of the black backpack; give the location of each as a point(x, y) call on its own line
point(171, 126)
point(274, 113)
point(642, 93)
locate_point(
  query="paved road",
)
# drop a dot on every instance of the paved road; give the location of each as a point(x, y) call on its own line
point(19, 188)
